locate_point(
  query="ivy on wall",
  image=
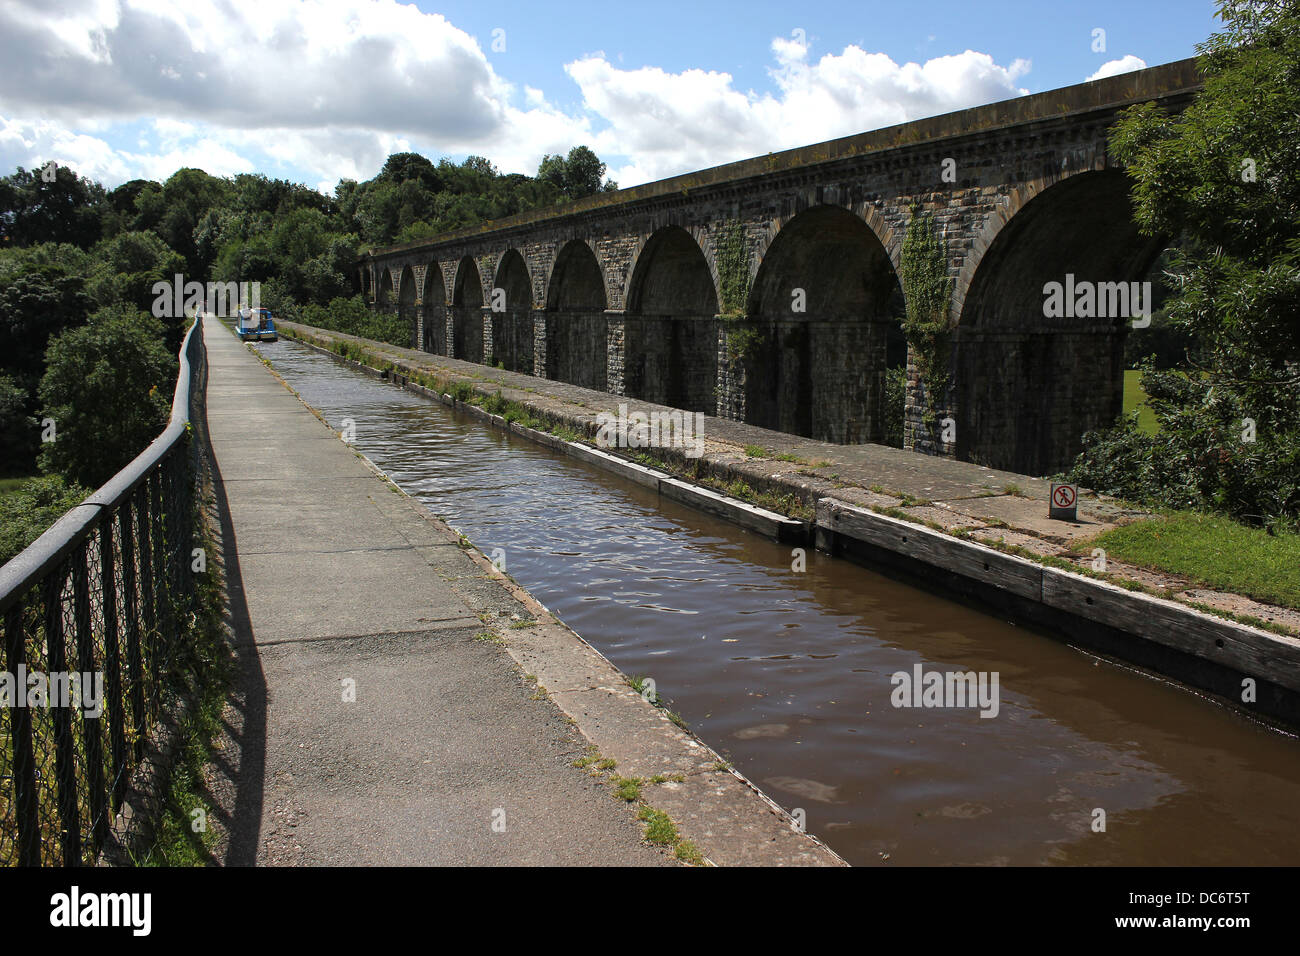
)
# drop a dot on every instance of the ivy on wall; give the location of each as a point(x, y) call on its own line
point(924, 271)
point(732, 255)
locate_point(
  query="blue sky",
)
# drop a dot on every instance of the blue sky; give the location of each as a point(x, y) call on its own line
point(1056, 35)
point(322, 89)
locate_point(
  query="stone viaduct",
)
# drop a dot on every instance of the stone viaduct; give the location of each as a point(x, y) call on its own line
point(769, 290)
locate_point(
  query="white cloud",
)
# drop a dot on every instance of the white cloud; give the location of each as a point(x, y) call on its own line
point(328, 88)
point(1125, 64)
point(669, 123)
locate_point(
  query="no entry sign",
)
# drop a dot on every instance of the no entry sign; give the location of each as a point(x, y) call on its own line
point(1064, 501)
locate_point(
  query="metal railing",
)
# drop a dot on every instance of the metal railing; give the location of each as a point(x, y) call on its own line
point(103, 593)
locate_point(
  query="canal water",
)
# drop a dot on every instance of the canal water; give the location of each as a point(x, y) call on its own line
point(788, 673)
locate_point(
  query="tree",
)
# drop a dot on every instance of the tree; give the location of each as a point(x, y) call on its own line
point(186, 198)
point(577, 176)
point(27, 512)
point(126, 269)
point(1222, 176)
point(18, 433)
point(36, 305)
point(108, 386)
point(39, 207)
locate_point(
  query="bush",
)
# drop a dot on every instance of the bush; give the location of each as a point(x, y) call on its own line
point(108, 387)
point(1201, 457)
point(353, 317)
point(895, 400)
point(28, 511)
point(17, 428)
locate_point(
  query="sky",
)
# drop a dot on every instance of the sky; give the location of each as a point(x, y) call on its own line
point(320, 90)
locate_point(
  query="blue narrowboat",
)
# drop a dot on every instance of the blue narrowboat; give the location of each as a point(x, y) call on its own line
point(254, 325)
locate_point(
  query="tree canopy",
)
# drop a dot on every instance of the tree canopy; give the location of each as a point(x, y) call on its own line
point(1222, 178)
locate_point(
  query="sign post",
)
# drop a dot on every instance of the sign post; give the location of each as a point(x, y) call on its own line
point(1063, 502)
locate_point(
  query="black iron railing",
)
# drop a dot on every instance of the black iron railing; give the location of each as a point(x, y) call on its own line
point(102, 594)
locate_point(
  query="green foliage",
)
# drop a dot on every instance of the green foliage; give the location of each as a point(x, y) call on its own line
point(185, 200)
point(34, 211)
point(353, 317)
point(1221, 175)
point(576, 176)
point(894, 401)
point(36, 304)
point(25, 513)
point(18, 429)
point(126, 267)
point(731, 251)
point(732, 254)
point(108, 387)
point(924, 272)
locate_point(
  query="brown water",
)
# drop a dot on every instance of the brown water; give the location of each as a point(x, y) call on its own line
point(787, 674)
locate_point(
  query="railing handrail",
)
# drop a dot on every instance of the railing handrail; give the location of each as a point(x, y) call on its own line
point(27, 567)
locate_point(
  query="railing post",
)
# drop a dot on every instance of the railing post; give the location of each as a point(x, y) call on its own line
point(26, 805)
point(65, 748)
point(131, 607)
point(162, 612)
point(113, 698)
point(91, 733)
point(148, 607)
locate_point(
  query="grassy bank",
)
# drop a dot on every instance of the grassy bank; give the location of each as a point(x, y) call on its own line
point(1213, 551)
point(1135, 400)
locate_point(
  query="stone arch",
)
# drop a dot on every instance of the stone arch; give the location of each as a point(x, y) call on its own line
point(1027, 386)
point(406, 302)
point(435, 311)
point(700, 234)
point(869, 213)
point(821, 372)
point(576, 346)
point(671, 325)
point(467, 312)
point(1074, 163)
point(512, 326)
point(384, 293)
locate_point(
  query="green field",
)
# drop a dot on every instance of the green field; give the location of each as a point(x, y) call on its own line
point(1135, 400)
point(11, 484)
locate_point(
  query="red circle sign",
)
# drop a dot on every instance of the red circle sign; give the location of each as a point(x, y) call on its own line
point(1063, 496)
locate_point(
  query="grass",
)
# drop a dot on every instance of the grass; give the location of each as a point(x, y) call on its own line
point(627, 789)
point(12, 484)
point(639, 685)
point(182, 835)
point(1135, 401)
point(1213, 551)
point(660, 828)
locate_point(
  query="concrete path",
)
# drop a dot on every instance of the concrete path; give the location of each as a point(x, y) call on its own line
point(447, 755)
